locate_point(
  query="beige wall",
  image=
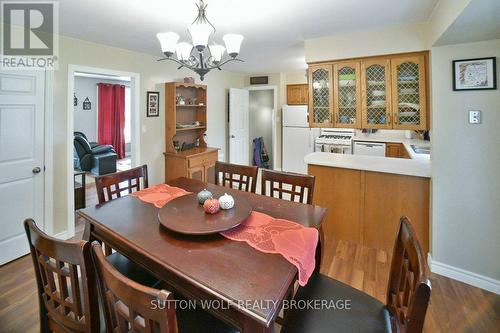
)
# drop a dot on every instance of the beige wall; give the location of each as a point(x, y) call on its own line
point(152, 73)
point(367, 43)
point(465, 166)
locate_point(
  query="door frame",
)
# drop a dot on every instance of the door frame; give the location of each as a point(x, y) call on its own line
point(275, 123)
point(135, 122)
point(48, 163)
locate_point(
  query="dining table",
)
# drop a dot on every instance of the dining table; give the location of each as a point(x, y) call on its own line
point(249, 285)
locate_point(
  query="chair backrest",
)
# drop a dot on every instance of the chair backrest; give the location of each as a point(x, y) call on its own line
point(82, 146)
point(66, 282)
point(409, 287)
point(111, 186)
point(130, 306)
point(75, 133)
point(236, 176)
point(292, 185)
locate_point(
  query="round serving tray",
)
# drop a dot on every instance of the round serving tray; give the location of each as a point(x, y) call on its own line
point(186, 216)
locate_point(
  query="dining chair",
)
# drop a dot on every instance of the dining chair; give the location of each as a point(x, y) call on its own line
point(288, 186)
point(66, 282)
point(65, 277)
point(408, 295)
point(112, 186)
point(241, 177)
point(132, 307)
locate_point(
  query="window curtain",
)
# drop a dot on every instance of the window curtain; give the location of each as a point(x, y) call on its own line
point(111, 116)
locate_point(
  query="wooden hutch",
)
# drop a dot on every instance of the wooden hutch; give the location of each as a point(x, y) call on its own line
point(186, 123)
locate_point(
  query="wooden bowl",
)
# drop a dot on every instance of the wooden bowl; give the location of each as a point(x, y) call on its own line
point(186, 216)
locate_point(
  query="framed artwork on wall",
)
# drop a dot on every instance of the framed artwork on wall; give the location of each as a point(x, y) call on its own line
point(474, 74)
point(86, 104)
point(153, 104)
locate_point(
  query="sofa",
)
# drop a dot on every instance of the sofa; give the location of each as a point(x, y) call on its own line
point(99, 159)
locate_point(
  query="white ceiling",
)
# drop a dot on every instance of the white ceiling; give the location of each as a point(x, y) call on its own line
point(479, 21)
point(274, 30)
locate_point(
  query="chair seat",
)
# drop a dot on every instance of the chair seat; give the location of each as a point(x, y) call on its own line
point(200, 321)
point(131, 270)
point(366, 314)
point(188, 320)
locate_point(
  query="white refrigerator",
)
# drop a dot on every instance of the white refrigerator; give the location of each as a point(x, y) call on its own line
point(298, 138)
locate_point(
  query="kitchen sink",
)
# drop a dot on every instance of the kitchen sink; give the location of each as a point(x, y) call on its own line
point(421, 149)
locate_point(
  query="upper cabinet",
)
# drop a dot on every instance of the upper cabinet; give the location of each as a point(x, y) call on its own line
point(346, 95)
point(384, 92)
point(296, 94)
point(408, 93)
point(376, 105)
point(320, 96)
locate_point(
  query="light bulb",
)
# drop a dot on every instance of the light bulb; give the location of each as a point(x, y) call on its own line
point(217, 52)
point(200, 32)
point(168, 41)
point(183, 51)
point(233, 43)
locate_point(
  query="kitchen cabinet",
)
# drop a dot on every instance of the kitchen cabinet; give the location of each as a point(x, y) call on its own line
point(296, 94)
point(320, 96)
point(365, 206)
point(409, 92)
point(381, 92)
point(347, 95)
point(397, 150)
point(376, 108)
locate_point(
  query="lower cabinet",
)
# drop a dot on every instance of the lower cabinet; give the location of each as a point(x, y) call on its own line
point(365, 207)
point(397, 150)
point(197, 163)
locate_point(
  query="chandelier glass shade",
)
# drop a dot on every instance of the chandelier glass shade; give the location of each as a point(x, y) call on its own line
point(198, 55)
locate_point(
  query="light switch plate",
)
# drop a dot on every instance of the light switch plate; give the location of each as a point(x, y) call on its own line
point(474, 117)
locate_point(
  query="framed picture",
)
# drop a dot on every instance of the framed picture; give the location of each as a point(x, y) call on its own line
point(474, 74)
point(153, 104)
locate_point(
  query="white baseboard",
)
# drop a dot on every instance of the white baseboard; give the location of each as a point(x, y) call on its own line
point(465, 276)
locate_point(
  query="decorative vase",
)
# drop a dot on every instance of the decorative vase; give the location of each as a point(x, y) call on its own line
point(226, 201)
point(211, 206)
point(203, 196)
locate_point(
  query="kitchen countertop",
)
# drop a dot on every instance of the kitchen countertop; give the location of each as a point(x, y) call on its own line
point(418, 165)
point(405, 142)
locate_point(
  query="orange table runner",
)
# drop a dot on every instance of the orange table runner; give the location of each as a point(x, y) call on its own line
point(294, 242)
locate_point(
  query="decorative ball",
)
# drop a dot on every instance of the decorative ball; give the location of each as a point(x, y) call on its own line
point(211, 206)
point(204, 195)
point(226, 201)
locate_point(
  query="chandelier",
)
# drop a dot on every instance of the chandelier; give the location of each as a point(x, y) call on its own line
point(198, 55)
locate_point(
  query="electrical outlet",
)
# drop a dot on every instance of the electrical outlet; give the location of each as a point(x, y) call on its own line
point(474, 117)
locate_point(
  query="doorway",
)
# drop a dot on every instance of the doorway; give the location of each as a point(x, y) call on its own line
point(92, 92)
point(262, 126)
point(86, 115)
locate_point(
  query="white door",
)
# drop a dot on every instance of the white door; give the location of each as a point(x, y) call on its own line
point(21, 158)
point(238, 126)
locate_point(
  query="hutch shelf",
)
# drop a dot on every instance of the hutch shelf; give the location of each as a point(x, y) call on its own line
point(186, 152)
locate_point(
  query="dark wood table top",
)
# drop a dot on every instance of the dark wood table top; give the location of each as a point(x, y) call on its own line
point(225, 269)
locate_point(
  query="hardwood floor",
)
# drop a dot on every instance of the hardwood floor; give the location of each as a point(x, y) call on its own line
point(455, 306)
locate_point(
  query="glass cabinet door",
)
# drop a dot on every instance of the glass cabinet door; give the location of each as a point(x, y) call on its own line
point(408, 91)
point(320, 100)
point(376, 83)
point(346, 99)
